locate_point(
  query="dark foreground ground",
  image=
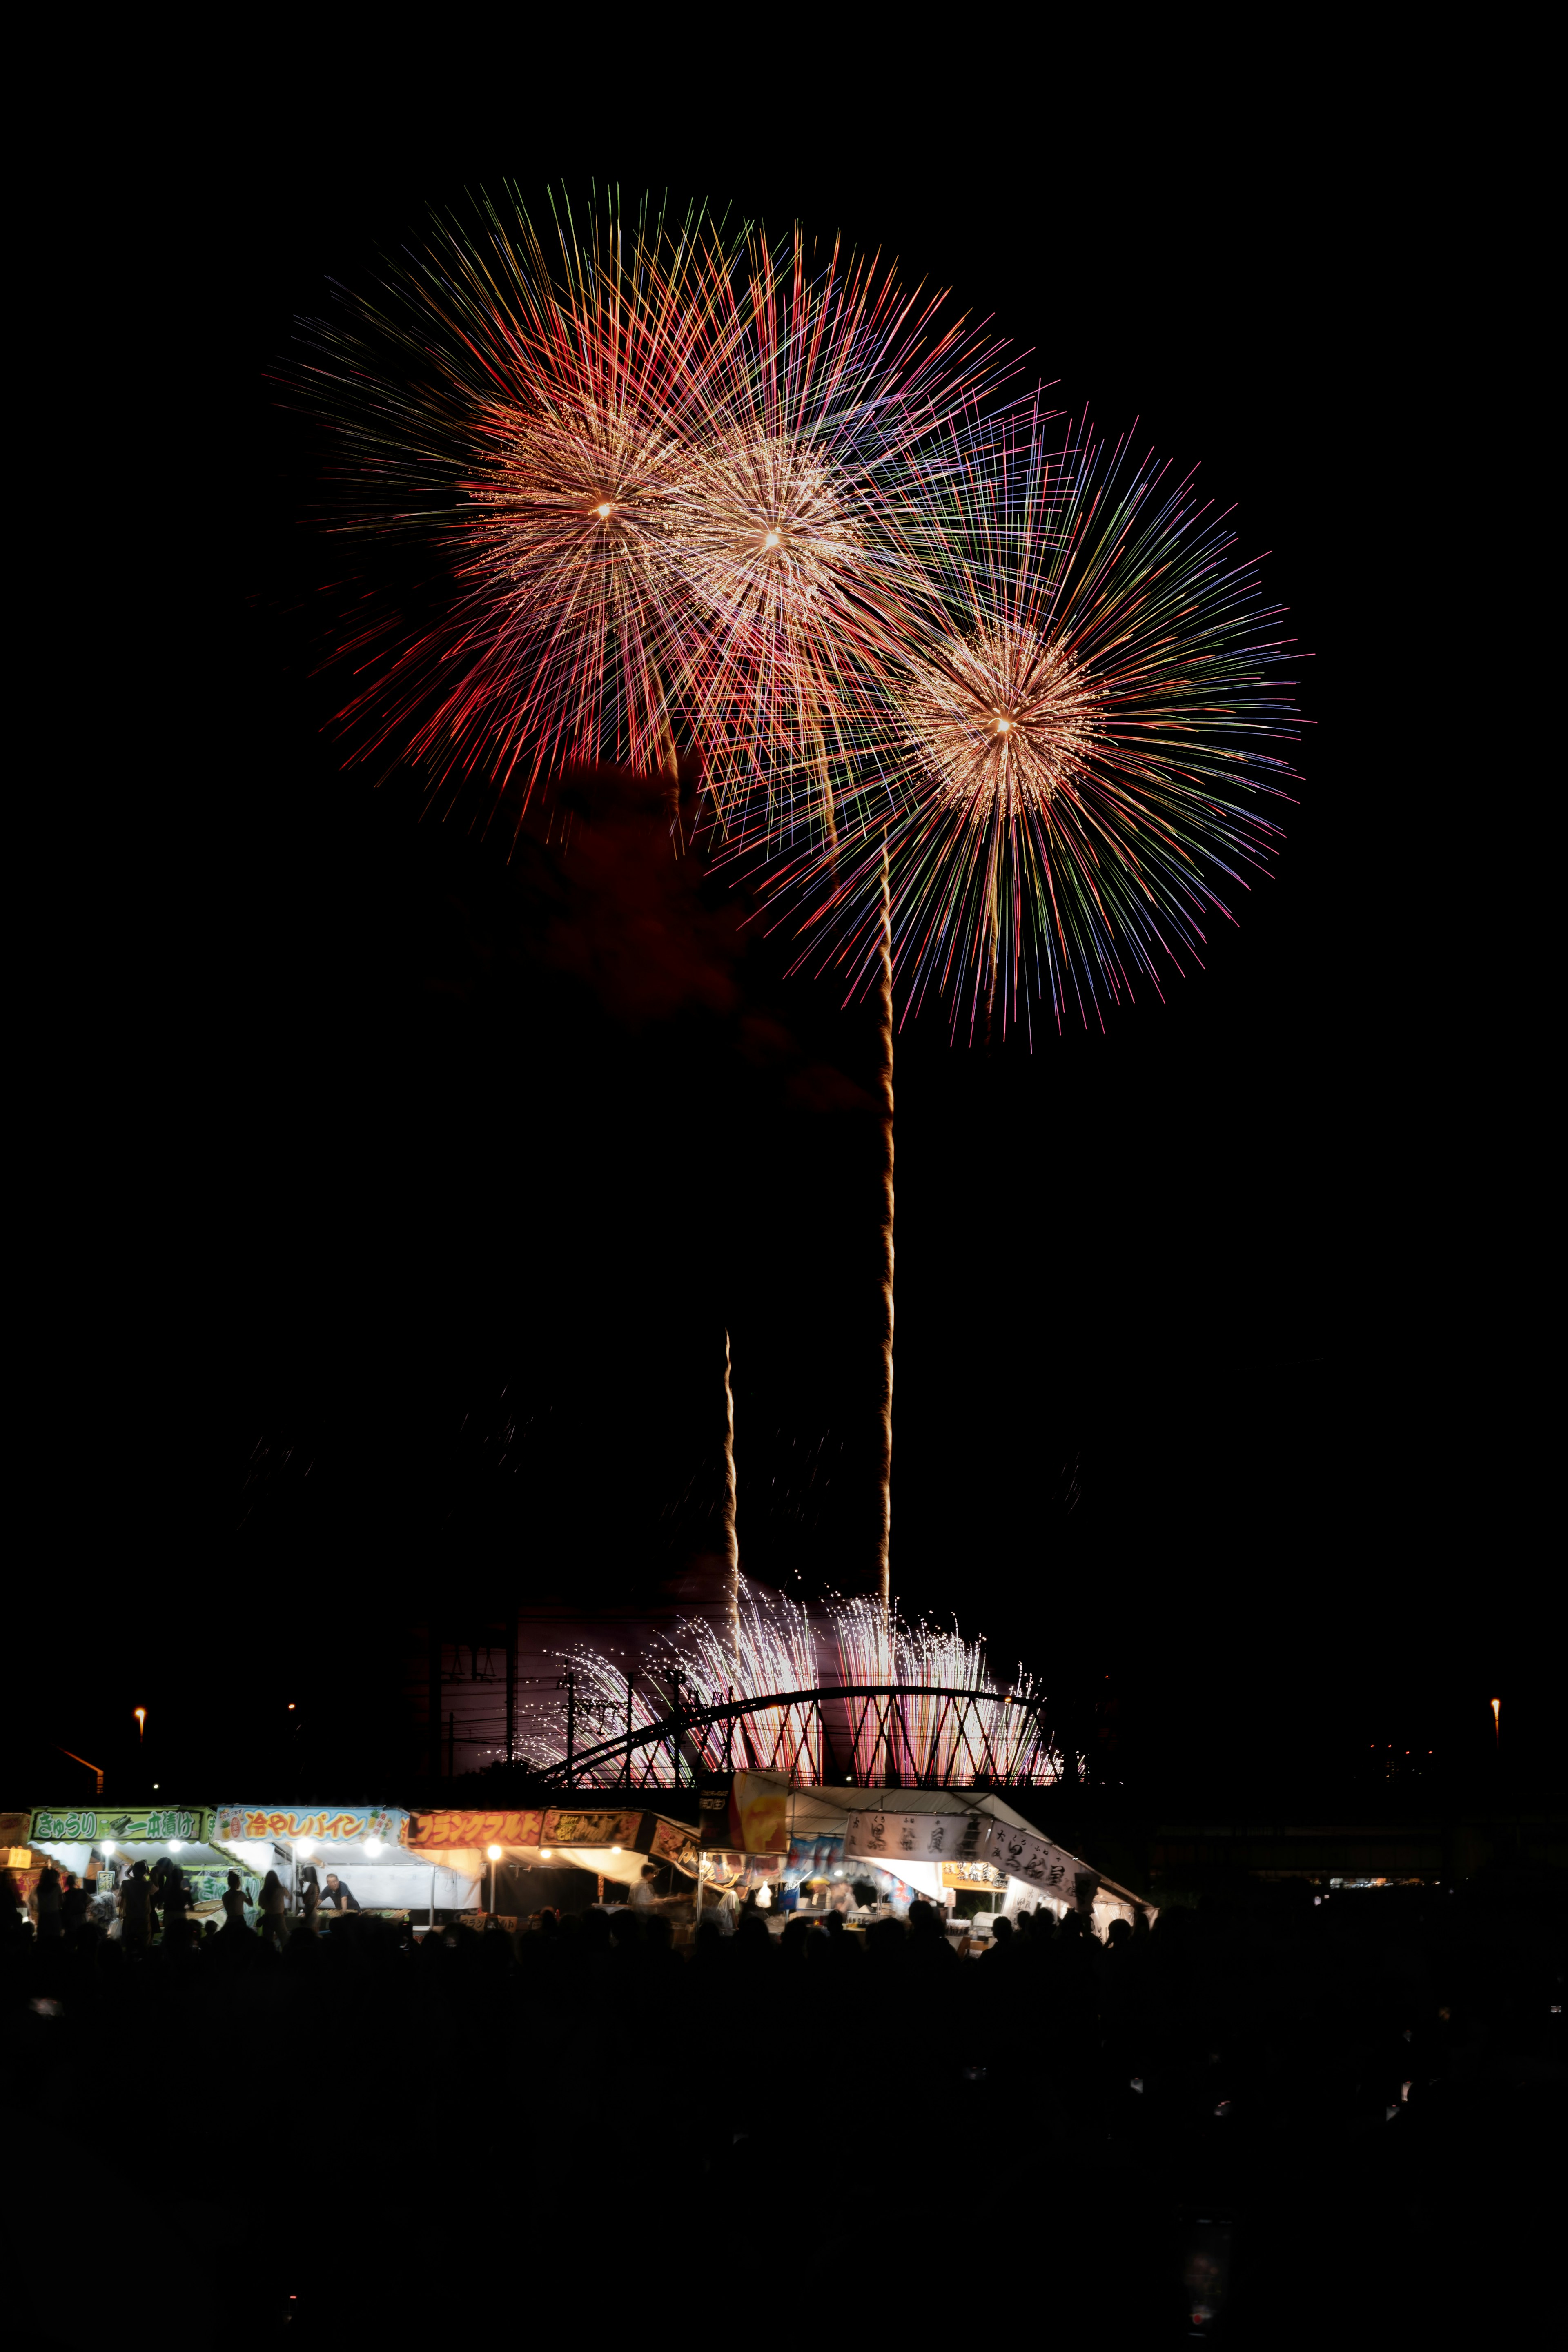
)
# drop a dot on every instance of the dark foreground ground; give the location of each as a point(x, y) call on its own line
point(1348, 2129)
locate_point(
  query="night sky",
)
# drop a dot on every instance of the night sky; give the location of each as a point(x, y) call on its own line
point(1215, 1356)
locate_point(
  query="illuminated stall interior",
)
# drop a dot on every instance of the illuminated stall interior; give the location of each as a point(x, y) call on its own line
point(365, 1847)
point(101, 1844)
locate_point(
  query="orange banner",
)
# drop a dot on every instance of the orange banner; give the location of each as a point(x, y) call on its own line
point(570, 1828)
point(429, 1832)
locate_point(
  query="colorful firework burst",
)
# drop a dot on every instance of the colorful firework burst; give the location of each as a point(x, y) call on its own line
point(824, 389)
point(1066, 770)
point(650, 463)
point(527, 417)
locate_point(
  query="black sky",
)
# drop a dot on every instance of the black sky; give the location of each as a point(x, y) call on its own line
point(1214, 1361)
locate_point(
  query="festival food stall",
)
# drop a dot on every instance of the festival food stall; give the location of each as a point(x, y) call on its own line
point(100, 1844)
point(613, 1842)
point(940, 1843)
point(365, 1849)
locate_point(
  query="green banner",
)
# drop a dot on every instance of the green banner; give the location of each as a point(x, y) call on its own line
point(122, 1824)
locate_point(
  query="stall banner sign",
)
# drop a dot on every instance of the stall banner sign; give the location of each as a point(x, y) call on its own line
point(674, 1845)
point(448, 1826)
point(340, 1825)
point(13, 1828)
point(123, 1824)
point(1019, 1853)
point(884, 1835)
point(759, 1807)
point(565, 1826)
point(972, 1874)
point(812, 1857)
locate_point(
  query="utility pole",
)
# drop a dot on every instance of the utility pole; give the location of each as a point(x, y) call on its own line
point(434, 1665)
point(629, 1731)
point(568, 1683)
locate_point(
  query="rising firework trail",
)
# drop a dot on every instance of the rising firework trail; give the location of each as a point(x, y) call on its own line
point(731, 1548)
point(884, 1130)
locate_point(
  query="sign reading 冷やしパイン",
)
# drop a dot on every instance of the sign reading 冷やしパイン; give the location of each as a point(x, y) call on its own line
point(120, 1824)
point(343, 1825)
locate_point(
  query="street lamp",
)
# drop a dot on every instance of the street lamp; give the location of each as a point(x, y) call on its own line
point(494, 1852)
point(140, 1715)
point(1496, 1726)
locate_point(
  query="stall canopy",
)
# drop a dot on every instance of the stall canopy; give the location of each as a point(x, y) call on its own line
point(367, 1846)
point(613, 1840)
point(917, 1834)
point(83, 1838)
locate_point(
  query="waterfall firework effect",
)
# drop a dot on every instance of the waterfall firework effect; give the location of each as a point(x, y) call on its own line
point(780, 1651)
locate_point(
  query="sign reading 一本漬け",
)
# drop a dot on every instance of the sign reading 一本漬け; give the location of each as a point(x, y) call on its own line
point(341, 1824)
point(120, 1824)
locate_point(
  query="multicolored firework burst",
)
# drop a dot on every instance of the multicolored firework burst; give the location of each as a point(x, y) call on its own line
point(651, 464)
point(1066, 769)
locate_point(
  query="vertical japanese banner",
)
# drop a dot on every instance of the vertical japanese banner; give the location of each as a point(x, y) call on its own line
point(759, 1813)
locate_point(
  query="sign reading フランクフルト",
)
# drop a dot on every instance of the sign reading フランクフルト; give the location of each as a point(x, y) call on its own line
point(334, 1824)
point(120, 1824)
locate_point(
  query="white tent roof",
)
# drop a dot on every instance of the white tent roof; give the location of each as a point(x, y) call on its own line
point(826, 1811)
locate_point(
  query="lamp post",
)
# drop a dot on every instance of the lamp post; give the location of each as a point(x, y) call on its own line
point(140, 1715)
point(1497, 1727)
point(494, 1854)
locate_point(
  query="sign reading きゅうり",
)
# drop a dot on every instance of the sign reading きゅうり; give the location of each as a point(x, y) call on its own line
point(120, 1824)
point(323, 1824)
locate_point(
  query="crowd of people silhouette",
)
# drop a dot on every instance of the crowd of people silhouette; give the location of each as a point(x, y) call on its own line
point(1248, 2120)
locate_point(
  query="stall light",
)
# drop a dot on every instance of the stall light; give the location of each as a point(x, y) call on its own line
point(615, 1849)
point(545, 1853)
point(493, 1852)
point(177, 1846)
point(305, 1846)
point(373, 1845)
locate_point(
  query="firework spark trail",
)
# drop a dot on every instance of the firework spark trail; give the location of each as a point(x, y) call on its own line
point(885, 1078)
point(1066, 771)
point(731, 1548)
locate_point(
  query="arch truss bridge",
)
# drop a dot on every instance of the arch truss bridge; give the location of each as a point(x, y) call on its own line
point(873, 1735)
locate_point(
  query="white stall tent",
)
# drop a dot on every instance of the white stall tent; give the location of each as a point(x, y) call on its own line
point(911, 1832)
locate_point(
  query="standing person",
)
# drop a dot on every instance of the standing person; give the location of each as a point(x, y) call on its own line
point(642, 1895)
point(133, 1908)
point(310, 1896)
point(73, 1903)
point(50, 1920)
point(339, 1897)
point(274, 1927)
